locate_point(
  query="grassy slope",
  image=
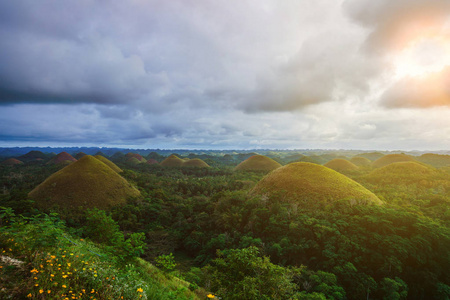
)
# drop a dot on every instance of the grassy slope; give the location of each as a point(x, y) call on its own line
point(339, 164)
point(311, 182)
point(108, 163)
point(391, 158)
point(172, 161)
point(87, 182)
point(360, 161)
point(258, 163)
point(42, 261)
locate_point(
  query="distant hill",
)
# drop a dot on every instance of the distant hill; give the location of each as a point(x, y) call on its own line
point(391, 158)
point(79, 155)
point(360, 161)
point(175, 161)
point(258, 163)
point(306, 183)
point(372, 156)
point(131, 155)
point(195, 163)
point(87, 182)
point(108, 163)
point(402, 173)
point(341, 165)
point(11, 162)
point(62, 157)
point(172, 161)
point(435, 160)
point(33, 156)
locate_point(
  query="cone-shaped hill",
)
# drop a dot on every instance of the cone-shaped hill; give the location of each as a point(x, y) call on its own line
point(32, 156)
point(399, 173)
point(11, 162)
point(391, 158)
point(435, 160)
point(87, 182)
point(341, 165)
point(79, 155)
point(372, 156)
point(195, 163)
point(152, 161)
point(258, 163)
point(131, 155)
point(62, 157)
point(308, 183)
point(360, 161)
point(172, 161)
point(108, 163)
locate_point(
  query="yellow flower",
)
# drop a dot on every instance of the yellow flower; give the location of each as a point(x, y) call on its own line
point(49, 291)
point(29, 295)
point(93, 291)
point(140, 290)
point(41, 291)
point(65, 276)
point(69, 264)
point(36, 284)
point(34, 271)
point(64, 286)
point(211, 296)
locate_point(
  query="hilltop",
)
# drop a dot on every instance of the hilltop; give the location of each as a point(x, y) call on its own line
point(258, 163)
point(341, 165)
point(62, 158)
point(87, 182)
point(309, 183)
point(391, 158)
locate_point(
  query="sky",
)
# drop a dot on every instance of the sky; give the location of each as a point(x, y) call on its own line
point(247, 74)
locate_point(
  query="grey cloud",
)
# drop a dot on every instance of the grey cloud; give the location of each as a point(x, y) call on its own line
point(326, 66)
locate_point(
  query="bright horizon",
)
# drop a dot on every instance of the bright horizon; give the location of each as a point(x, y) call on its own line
point(353, 74)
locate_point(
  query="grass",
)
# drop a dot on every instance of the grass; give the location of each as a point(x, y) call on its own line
point(307, 182)
point(62, 157)
point(400, 173)
point(12, 162)
point(391, 158)
point(172, 161)
point(360, 161)
point(435, 160)
point(87, 182)
point(139, 157)
point(195, 163)
point(258, 163)
point(40, 260)
point(108, 163)
point(341, 165)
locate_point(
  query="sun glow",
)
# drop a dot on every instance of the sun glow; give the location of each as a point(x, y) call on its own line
point(425, 56)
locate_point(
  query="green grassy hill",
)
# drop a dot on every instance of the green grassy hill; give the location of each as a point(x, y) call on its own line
point(62, 158)
point(108, 163)
point(11, 162)
point(341, 165)
point(311, 183)
point(195, 163)
point(258, 163)
point(399, 173)
point(360, 161)
point(172, 161)
point(391, 158)
point(435, 160)
point(87, 182)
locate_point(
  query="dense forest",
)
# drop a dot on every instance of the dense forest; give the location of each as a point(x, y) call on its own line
point(234, 225)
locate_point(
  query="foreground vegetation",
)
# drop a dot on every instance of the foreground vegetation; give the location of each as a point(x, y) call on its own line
point(208, 234)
